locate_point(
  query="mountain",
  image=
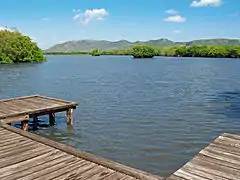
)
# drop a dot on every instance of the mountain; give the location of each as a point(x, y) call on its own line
point(89, 45)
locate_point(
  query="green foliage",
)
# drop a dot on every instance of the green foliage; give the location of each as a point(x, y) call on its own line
point(17, 48)
point(66, 53)
point(120, 52)
point(180, 51)
point(95, 52)
point(143, 51)
point(209, 51)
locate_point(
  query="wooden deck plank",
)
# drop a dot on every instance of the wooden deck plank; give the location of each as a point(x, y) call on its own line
point(27, 156)
point(189, 176)
point(17, 149)
point(218, 161)
point(87, 174)
point(201, 172)
point(32, 105)
point(76, 172)
point(89, 157)
point(7, 161)
point(175, 177)
point(15, 168)
point(102, 174)
point(116, 176)
point(15, 119)
point(17, 98)
point(64, 170)
point(45, 168)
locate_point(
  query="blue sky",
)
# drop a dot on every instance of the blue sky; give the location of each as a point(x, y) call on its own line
point(50, 22)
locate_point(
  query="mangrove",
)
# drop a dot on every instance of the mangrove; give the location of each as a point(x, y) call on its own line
point(18, 48)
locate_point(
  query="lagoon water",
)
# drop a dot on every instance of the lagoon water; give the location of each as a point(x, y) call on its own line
point(154, 115)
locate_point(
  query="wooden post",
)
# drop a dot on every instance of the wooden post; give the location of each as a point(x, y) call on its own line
point(35, 119)
point(24, 125)
point(51, 119)
point(70, 116)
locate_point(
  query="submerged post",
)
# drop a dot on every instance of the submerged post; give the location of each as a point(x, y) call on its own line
point(35, 119)
point(51, 119)
point(24, 125)
point(70, 116)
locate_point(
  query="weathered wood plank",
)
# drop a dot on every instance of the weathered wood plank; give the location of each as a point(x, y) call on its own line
point(88, 174)
point(101, 175)
point(64, 170)
point(218, 161)
point(174, 177)
point(18, 149)
point(15, 168)
point(115, 176)
point(84, 155)
point(15, 119)
point(46, 168)
point(217, 169)
point(17, 98)
point(7, 161)
point(190, 168)
point(189, 176)
point(31, 105)
point(85, 166)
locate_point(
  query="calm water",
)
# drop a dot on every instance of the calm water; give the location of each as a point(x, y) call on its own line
point(154, 115)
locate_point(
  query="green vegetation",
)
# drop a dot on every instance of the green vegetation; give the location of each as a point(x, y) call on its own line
point(95, 52)
point(119, 52)
point(181, 51)
point(17, 48)
point(143, 51)
point(202, 51)
point(146, 51)
point(66, 53)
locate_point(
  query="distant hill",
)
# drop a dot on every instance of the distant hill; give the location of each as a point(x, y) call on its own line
point(89, 45)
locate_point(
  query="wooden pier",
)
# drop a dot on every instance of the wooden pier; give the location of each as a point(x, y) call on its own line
point(26, 156)
point(22, 108)
point(219, 161)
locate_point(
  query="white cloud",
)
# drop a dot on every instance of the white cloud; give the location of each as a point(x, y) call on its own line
point(176, 19)
point(171, 11)
point(177, 31)
point(91, 15)
point(77, 16)
point(202, 3)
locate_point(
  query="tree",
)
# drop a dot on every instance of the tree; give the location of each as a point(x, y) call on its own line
point(17, 48)
point(95, 52)
point(143, 51)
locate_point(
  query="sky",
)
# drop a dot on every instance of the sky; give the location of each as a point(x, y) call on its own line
point(50, 22)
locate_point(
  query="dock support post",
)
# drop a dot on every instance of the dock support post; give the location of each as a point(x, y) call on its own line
point(70, 116)
point(35, 119)
point(24, 125)
point(51, 119)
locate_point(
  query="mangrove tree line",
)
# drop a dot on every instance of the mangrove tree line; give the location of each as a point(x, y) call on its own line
point(17, 48)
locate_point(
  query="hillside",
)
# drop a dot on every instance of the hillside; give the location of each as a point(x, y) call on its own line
point(89, 45)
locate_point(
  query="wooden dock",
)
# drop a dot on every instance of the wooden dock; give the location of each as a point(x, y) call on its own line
point(219, 161)
point(26, 156)
point(22, 108)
